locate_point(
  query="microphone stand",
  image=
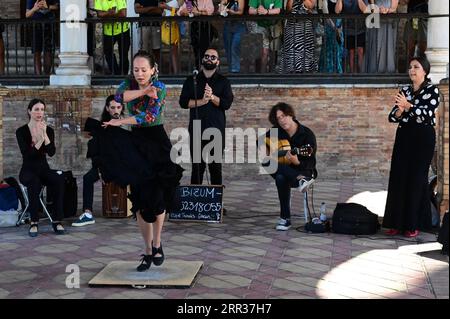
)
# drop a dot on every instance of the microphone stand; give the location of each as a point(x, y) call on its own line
point(195, 73)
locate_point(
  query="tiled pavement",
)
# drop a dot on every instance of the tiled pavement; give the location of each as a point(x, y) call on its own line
point(244, 257)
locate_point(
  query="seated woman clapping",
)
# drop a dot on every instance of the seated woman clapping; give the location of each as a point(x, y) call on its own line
point(36, 140)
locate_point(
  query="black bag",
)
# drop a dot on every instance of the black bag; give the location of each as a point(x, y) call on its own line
point(435, 215)
point(443, 234)
point(70, 201)
point(354, 219)
point(11, 181)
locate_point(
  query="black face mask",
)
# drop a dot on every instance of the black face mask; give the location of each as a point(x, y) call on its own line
point(209, 65)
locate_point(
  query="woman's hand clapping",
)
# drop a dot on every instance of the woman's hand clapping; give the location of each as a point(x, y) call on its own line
point(401, 101)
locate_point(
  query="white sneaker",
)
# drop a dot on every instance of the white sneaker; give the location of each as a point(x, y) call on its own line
point(305, 183)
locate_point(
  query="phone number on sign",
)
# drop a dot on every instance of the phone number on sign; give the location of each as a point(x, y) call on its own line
point(201, 207)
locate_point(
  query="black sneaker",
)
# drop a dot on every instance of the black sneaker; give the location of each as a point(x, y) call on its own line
point(283, 224)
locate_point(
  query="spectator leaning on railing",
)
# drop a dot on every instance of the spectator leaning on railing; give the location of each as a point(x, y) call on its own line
point(91, 13)
point(333, 43)
point(150, 31)
point(232, 31)
point(265, 27)
point(115, 32)
point(298, 42)
point(381, 42)
point(43, 34)
point(202, 32)
point(416, 28)
point(170, 8)
point(355, 33)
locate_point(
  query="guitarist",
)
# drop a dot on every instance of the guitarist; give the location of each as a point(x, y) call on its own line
point(292, 168)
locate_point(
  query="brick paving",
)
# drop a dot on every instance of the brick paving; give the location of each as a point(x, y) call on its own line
point(244, 257)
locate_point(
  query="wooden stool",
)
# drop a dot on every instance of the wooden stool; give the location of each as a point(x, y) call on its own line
point(115, 203)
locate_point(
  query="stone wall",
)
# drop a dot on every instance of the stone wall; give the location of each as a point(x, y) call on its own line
point(10, 9)
point(442, 147)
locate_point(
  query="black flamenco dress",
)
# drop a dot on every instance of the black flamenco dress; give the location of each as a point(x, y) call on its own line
point(408, 206)
point(139, 158)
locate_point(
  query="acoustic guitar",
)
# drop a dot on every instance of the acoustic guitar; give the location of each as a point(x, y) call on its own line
point(283, 147)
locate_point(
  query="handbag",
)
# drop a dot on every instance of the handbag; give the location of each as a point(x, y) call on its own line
point(170, 32)
point(354, 219)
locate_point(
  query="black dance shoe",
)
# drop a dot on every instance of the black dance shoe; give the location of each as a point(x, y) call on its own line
point(146, 262)
point(33, 230)
point(58, 230)
point(157, 261)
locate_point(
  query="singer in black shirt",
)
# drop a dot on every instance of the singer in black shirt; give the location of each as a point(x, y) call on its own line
point(208, 104)
point(36, 140)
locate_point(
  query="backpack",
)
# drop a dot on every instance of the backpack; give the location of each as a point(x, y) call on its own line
point(435, 215)
point(8, 197)
point(9, 203)
point(11, 181)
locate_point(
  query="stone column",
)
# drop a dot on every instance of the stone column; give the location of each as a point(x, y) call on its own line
point(3, 92)
point(73, 69)
point(437, 40)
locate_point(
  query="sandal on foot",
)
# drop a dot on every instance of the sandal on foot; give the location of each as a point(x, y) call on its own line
point(158, 260)
point(58, 228)
point(33, 230)
point(146, 262)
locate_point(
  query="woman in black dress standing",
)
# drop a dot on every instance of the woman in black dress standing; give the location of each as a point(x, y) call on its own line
point(37, 140)
point(408, 207)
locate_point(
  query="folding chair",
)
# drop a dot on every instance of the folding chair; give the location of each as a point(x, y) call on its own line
point(24, 214)
point(305, 184)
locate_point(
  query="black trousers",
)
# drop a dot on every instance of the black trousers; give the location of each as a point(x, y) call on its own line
point(286, 178)
point(89, 179)
point(123, 41)
point(198, 169)
point(34, 181)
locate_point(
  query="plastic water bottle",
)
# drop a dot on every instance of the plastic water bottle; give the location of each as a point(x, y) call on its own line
point(323, 215)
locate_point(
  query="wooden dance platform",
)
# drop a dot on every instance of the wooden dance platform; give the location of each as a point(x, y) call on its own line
point(172, 274)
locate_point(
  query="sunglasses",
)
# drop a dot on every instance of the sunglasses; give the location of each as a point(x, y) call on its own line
point(210, 57)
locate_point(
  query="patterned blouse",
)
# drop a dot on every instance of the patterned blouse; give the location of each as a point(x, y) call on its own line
point(424, 107)
point(146, 110)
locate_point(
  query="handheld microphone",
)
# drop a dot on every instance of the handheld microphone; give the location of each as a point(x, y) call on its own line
point(195, 72)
